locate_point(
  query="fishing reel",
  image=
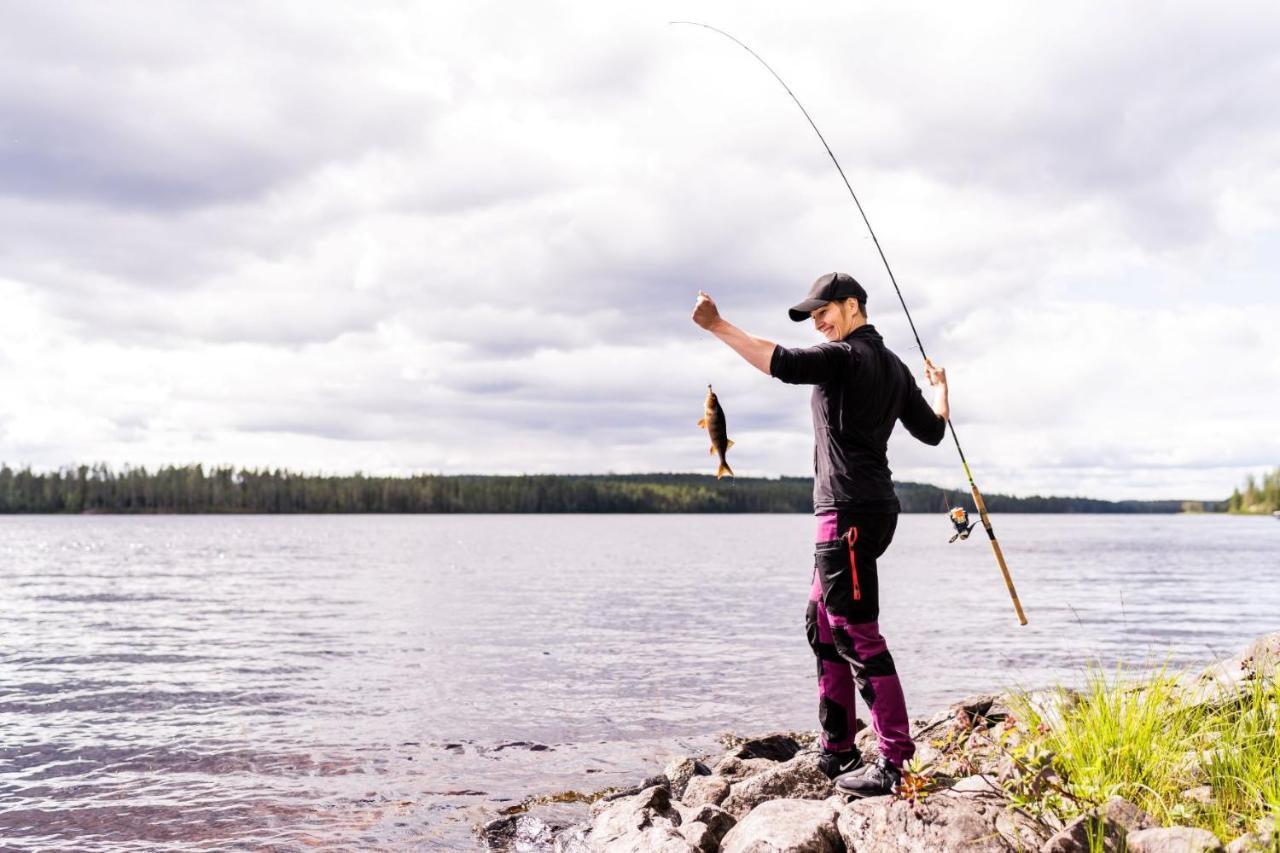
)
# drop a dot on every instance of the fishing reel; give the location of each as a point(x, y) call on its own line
point(960, 521)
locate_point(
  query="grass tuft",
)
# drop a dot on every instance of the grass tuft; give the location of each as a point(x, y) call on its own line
point(1186, 761)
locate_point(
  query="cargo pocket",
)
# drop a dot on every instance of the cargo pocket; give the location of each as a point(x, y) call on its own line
point(835, 574)
point(849, 590)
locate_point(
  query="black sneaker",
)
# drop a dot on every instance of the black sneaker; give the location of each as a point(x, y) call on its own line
point(838, 763)
point(874, 780)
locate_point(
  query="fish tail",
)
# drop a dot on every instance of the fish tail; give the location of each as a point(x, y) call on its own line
point(724, 469)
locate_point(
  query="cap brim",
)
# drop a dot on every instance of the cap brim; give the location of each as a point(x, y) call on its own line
point(801, 312)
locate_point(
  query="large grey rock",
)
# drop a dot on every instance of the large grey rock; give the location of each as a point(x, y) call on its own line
point(643, 823)
point(705, 790)
point(1260, 660)
point(572, 840)
point(1113, 822)
point(706, 827)
point(1221, 683)
point(797, 779)
point(680, 770)
point(977, 708)
point(605, 801)
point(937, 824)
point(793, 826)
point(735, 769)
point(1174, 839)
point(1051, 704)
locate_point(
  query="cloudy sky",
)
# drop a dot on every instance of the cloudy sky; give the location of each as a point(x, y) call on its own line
point(467, 237)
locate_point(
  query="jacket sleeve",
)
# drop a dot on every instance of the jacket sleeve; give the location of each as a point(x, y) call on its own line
point(919, 417)
point(811, 365)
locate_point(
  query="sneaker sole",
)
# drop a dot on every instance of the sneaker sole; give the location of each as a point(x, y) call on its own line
point(859, 795)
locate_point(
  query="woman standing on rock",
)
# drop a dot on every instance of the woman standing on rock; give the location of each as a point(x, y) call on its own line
point(861, 390)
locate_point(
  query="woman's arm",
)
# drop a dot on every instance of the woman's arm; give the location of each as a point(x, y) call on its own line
point(757, 351)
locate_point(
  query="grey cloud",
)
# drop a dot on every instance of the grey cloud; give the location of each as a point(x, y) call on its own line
point(1140, 121)
point(161, 129)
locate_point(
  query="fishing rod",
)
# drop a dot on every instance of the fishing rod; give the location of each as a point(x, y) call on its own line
point(977, 495)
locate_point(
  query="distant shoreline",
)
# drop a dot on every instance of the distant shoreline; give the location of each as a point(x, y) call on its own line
point(193, 490)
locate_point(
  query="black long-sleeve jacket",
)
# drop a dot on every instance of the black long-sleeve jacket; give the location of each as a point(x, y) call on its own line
point(860, 390)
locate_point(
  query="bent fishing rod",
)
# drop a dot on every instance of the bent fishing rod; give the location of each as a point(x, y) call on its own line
point(977, 495)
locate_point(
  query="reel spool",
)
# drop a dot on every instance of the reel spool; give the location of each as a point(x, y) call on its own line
point(960, 521)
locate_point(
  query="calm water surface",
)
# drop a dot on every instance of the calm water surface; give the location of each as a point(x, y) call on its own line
point(386, 682)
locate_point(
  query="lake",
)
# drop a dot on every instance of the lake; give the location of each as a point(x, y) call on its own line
point(387, 682)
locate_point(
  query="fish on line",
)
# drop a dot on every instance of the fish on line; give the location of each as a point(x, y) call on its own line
point(713, 422)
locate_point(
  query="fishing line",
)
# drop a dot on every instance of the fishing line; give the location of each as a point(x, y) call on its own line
point(977, 496)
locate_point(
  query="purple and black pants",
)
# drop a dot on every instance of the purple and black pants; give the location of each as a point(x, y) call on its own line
point(844, 632)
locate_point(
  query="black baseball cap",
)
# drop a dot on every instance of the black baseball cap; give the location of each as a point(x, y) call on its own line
point(829, 288)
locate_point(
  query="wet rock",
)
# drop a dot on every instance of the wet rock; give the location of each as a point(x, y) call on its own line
point(572, 840)
point(521, 744)
point(523, 831)
point(937, 824)
point(706, 828)
point(775, 747)
point(798, 779)
point(795, 826)
point(680, 770)
point(651, 782)
point(1174, 839)
point(1114, 821)
point(641, 823)
point(705, 790)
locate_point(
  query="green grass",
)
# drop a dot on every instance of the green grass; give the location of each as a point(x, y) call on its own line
point(1140, 740)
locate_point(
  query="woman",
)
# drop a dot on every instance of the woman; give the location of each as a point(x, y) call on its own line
point(861, 390)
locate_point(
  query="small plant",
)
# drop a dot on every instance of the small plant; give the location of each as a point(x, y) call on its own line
point(1146, 741)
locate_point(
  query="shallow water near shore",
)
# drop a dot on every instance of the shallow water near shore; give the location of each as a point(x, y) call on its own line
point(387, 682)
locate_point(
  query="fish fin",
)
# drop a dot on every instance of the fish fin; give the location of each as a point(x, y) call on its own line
point(702, 424)
point(730, 444)
point(713, 450)
point(725, 469)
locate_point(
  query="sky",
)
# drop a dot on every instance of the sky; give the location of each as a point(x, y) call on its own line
point(467, 238)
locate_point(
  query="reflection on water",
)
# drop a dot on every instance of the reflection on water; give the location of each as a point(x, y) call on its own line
point(385, 682)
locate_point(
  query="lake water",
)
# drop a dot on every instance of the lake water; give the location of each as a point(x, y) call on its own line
point(387, 682)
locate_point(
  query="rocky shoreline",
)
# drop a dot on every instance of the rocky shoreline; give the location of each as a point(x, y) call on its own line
point(970, 788)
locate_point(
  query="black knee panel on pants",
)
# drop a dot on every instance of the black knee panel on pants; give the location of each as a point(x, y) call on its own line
point(823, 651)
point(834, 719)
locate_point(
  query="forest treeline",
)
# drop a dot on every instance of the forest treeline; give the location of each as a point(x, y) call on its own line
point(193, 489)
point(1259, 496)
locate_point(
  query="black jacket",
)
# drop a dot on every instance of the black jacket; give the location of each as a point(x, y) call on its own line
point(860, 390)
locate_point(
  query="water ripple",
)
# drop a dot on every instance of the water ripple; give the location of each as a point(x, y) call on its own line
point(284, 683)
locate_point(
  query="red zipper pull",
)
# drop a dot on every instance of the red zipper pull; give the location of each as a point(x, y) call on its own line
point(851, 537)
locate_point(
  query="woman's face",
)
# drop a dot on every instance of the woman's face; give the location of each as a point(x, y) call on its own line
point(834, 321)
